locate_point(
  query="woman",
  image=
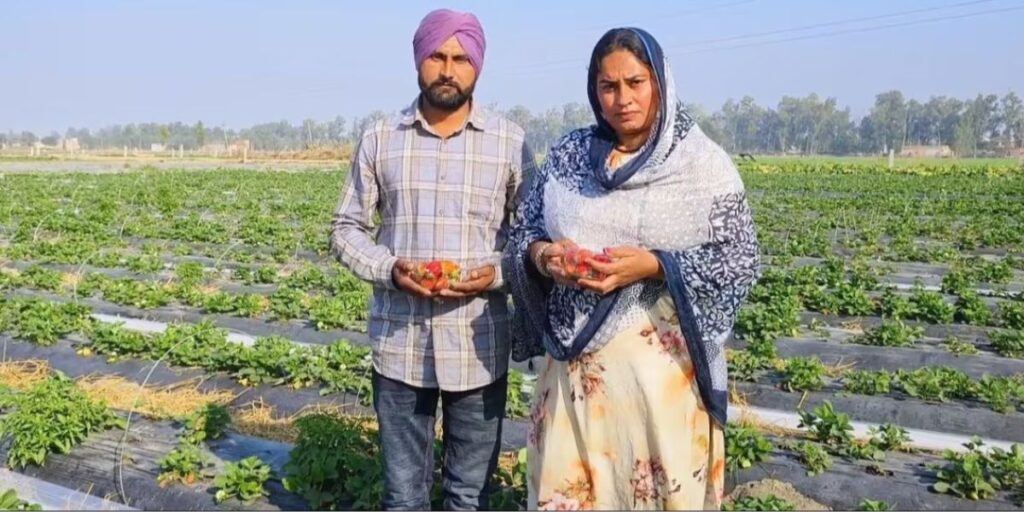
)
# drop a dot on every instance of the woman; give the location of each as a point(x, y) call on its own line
point(629, 410)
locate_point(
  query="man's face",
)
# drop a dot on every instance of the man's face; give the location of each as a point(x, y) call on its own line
point(446, 77)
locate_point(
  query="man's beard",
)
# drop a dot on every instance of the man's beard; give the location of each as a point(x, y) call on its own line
point(448, 100)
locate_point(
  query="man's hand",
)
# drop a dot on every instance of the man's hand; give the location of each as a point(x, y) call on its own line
point(401, 273)
point(478, 280)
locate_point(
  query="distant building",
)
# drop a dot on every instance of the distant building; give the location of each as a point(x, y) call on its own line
point(239, 147)
point(926, 152)
point(70, 145)
point(216, 148)
point(157, 147)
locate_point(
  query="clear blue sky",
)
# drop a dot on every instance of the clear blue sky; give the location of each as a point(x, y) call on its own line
point(235, 63)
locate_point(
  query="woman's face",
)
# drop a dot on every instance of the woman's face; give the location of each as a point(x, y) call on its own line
point(628, 94)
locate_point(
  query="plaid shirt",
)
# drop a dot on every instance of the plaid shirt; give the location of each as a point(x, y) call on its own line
point(436, 199)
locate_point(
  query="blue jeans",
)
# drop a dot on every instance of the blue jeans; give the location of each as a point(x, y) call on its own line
point(471, 443)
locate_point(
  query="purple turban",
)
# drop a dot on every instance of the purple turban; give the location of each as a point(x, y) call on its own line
point(440, 25)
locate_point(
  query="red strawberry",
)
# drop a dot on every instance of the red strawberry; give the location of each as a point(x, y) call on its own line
point(434, 267)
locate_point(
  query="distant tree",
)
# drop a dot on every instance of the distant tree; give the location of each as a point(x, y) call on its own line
point(200, 132)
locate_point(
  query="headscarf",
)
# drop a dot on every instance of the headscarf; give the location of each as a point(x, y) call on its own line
point(652, 153)
point(440, 25)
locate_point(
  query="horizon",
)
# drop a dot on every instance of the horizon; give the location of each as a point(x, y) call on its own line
point(216, 63)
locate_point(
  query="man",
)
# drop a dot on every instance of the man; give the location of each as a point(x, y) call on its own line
point(444, 179)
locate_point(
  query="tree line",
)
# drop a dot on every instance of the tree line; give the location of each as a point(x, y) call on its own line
point(985, 124)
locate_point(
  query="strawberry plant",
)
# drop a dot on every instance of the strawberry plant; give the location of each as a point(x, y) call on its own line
point(243, 480)
point(145, 264)
point(813, 457)
point(9, 500)
point(931, 307)
point(510, 485)
point(185, 464)
point(827, 426)
point(266, 275)
point(970, 309)
point(42, 278)
point(128, 292)
point(765, 322)
point(958, 281)
point(958, 347)
point(51, 417)
point(346, 368)
point(895, 306)
point(872, 505)
point(266, 362)
point(330, 313)
point(1009, 343)
point(209, 422)
point(965, 474)
point(864, 276)
point(821, 300)
point(9, 280)
point(803, 374)
point(43, 322)
point(220, 302)
point(306, 278)
point(866, 382)
point(891, 334)
point(854, 301)
point(744, 447)
point(993, 272)
point(287, 303)
point(770, 502)
point(114, 341)
point(189, 274)
point(517, 403)
point(889, 437)
point(1011, 315)
point(335, 462)
point(745, 366)
point(1000, 393)
point(938, 384)
point(261, 275)
point(251, 305)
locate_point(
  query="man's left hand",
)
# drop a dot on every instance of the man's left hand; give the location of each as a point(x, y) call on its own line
point(478, 280)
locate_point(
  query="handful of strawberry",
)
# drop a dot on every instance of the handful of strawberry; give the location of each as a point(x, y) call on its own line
point(437, 275)
point(576, 264)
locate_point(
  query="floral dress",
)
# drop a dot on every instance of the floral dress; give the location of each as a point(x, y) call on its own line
point(624, 427)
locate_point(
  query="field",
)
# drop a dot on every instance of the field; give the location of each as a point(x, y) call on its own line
point(161, 327)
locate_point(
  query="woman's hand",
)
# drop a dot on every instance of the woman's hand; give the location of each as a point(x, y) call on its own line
point(547, 257)
point(628, 265)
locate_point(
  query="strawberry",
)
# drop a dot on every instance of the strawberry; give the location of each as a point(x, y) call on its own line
point(576, 263)
point(434, 267)
point(437, 275)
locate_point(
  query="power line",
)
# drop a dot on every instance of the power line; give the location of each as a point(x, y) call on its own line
point(859, 30)
point(558, 65)
point(833, 23)
point(675, 15)
point(555, 65)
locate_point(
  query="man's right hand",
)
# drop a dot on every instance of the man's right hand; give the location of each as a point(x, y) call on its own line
point(401, 274)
